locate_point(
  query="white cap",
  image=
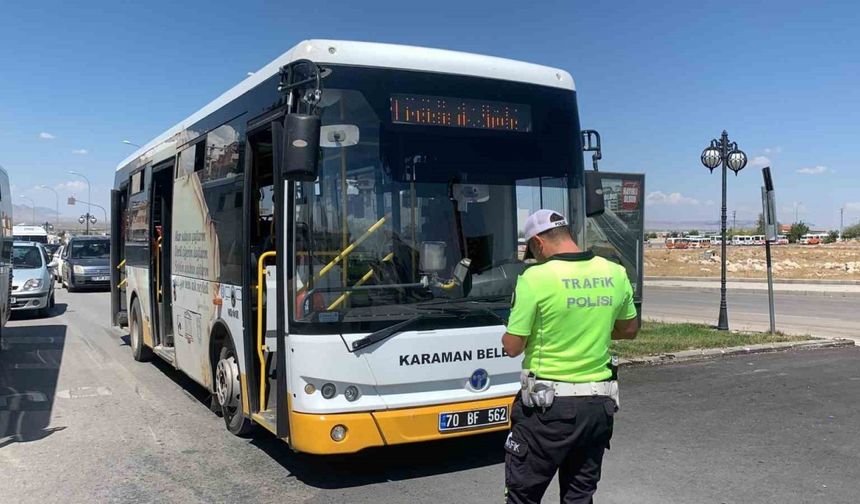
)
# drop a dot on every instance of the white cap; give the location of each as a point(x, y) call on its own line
point(541, 221)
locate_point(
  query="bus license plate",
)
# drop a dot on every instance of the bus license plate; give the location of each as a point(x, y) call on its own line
point(460, 420)
point(101, 278)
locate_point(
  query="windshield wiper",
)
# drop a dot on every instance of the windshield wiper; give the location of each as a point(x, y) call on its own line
point(465, 308)
point(389, 331)
point(455, 307)
point(466, 301)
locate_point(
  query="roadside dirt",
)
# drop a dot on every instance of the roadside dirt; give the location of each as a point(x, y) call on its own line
point(808, 262)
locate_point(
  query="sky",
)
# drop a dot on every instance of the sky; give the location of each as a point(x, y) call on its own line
point(659, 80)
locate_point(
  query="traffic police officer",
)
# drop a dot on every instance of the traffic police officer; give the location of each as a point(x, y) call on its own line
point(564, 312)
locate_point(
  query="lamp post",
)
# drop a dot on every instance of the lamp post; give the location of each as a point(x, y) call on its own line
point(104, 210)
point(89, 197)
point(726, 153)
point(32, 202)
point(57, 196)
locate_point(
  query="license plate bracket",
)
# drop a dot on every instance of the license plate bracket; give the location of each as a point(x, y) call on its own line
point(452, 421)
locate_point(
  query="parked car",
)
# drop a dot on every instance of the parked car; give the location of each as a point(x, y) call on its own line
point(32, 280)
point(58, 258)
point(86, 263)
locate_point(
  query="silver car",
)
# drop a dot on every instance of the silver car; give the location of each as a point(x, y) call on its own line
point(32, 278)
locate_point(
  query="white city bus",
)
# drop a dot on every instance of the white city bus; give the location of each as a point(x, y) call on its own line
point(353, 295)
point(742, 240)
point(698, 241)
point(6, 239)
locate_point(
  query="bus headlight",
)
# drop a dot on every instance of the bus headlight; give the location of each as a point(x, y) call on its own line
point(338, 433)
point(351, 393)
point(79, 270)
point(310, 389)
point(328, 390)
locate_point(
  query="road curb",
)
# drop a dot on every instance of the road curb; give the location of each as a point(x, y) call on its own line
point(713, 353)
point(786, 281)
point(761, 289)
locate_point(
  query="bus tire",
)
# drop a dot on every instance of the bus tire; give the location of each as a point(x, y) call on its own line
point(139, 351)
point(228, 391)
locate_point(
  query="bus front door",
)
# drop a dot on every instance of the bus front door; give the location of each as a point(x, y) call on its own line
point(162, 201)
point(266, 358)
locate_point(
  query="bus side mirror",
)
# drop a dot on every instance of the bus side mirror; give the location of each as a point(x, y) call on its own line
point(301, 145)
point(594, 203)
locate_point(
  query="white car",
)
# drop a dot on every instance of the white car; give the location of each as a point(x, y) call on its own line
point(58, 258)
point(32, 280)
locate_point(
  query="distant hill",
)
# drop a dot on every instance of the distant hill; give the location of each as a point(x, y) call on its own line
point(23, 214)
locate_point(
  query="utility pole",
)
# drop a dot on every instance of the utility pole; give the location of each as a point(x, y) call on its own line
point(841, 221)
point(57, 202)
point(734, 220)
point(33, 203)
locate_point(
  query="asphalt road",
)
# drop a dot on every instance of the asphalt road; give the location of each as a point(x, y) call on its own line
point(816, 314)
point(80, 421)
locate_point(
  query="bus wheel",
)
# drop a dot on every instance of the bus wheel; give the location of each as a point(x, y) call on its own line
point(228, 391)
point(139, 351)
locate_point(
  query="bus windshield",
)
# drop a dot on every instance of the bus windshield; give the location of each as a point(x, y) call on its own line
point(402, 198)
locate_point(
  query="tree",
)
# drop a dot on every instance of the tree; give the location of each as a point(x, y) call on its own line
point(832, 236)
point(759, 225)
point(694, 232)
point(851, 232)
point(798, 229)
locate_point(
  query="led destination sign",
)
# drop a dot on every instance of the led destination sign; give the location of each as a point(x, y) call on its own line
point(460, 113)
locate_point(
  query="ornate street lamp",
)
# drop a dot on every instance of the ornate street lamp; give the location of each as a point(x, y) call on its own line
point(724, 152)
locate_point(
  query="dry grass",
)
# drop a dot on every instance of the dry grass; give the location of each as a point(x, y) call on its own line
point(821, 262)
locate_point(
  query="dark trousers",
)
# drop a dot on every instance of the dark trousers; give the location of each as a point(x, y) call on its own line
point(568, 437)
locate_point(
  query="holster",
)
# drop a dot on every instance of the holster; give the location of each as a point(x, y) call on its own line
point(534, 393)
point(613, 394)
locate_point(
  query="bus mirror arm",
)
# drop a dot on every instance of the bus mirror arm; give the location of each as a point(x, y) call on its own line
point(591, 143)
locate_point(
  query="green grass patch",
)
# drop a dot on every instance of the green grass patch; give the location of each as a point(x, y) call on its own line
point(657, 338)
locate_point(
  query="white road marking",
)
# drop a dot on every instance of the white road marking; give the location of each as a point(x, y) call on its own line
point(81, 392)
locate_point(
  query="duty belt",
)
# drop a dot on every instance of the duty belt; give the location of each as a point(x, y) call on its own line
point(566, 389)
point(537, 393)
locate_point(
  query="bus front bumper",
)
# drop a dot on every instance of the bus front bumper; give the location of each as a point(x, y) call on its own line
point(311, 433)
